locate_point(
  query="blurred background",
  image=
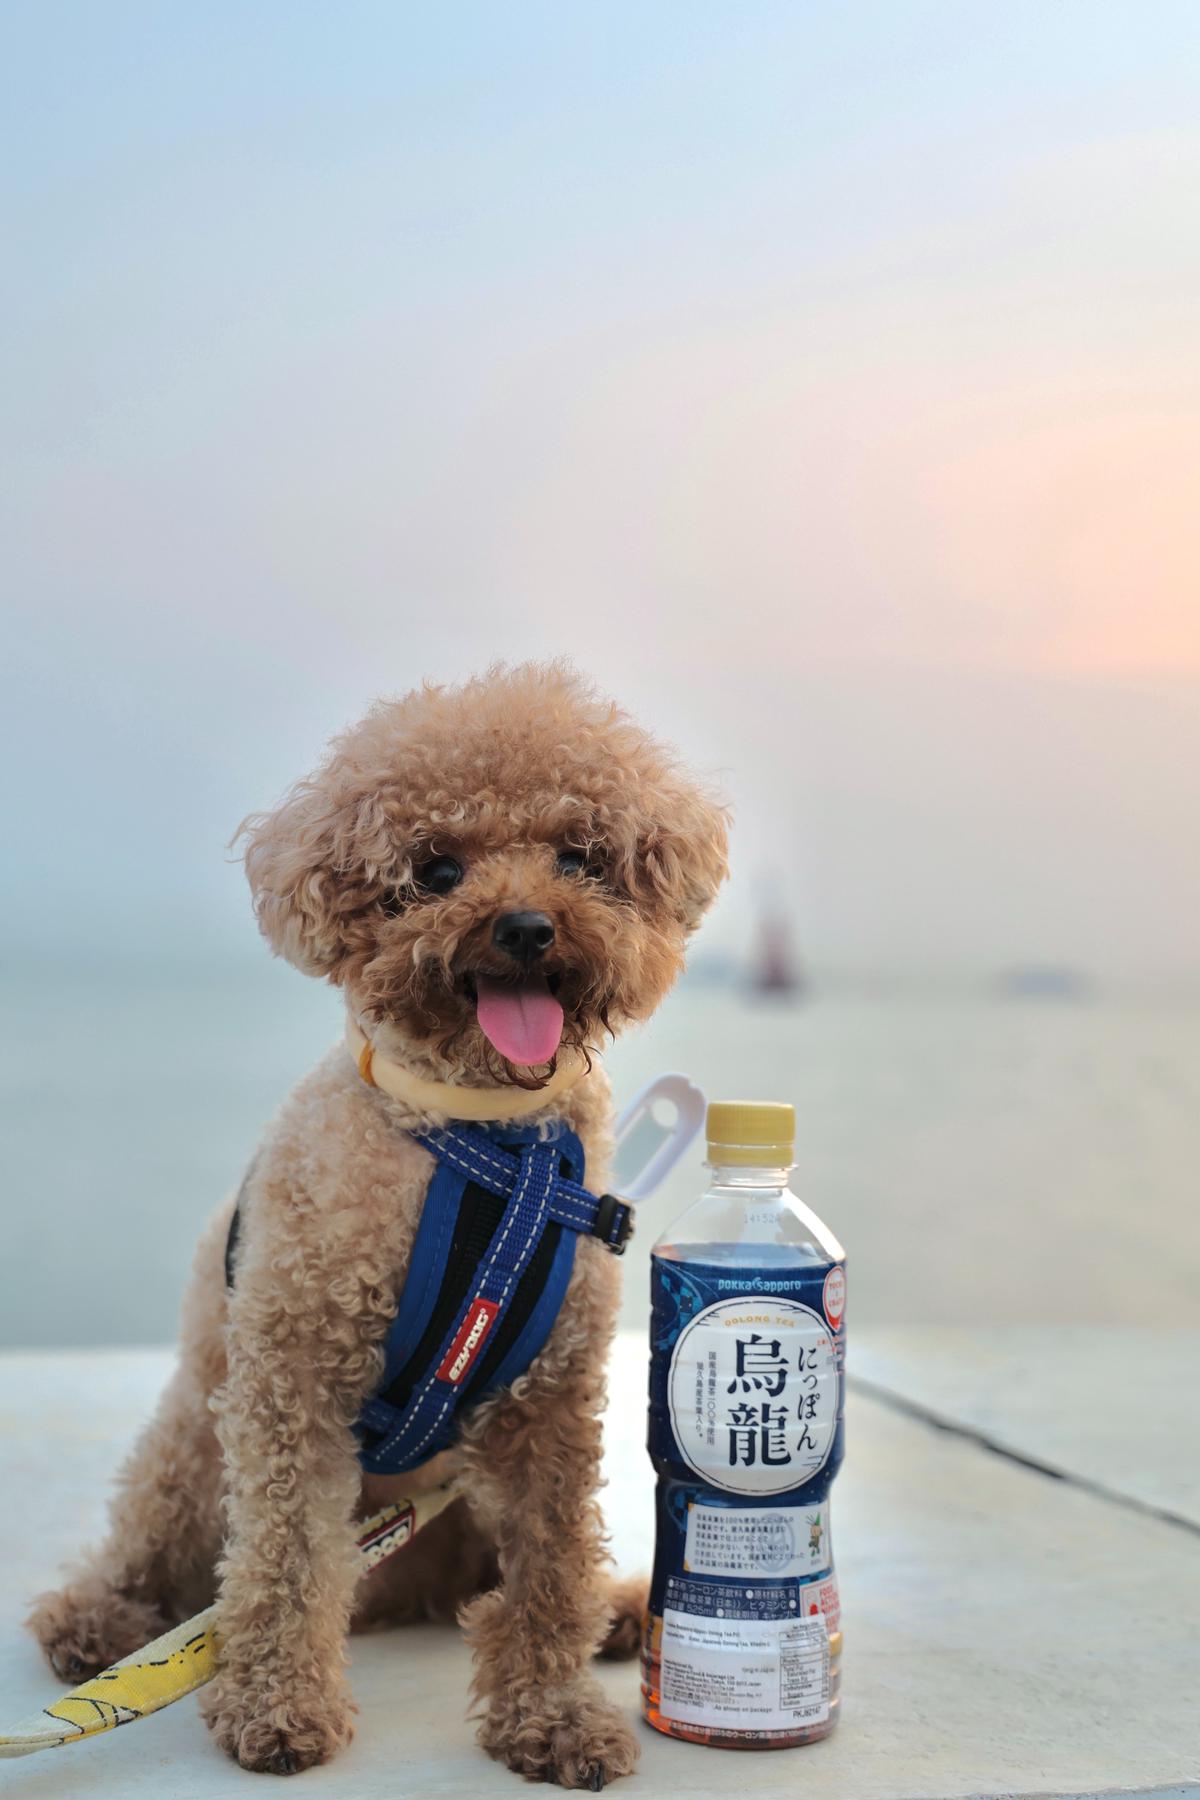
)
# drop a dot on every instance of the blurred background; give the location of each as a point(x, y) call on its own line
point(824, 381)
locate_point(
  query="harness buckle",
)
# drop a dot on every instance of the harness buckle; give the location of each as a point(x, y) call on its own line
point(614, 1223)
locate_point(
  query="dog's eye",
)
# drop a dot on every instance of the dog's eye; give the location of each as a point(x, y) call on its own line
point(439, 875)
point(571, 862)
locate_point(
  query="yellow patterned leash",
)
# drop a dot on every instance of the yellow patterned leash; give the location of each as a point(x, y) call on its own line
point(184, 1658)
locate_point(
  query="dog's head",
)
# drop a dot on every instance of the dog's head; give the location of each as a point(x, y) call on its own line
point(491, 871)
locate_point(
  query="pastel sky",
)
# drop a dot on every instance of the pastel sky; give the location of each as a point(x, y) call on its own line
point(825, 380)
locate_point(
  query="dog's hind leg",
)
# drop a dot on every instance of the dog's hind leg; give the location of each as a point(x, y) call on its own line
point(451, 1561)
point(156, 1565)
point(447, 1563)
point(628, 1596)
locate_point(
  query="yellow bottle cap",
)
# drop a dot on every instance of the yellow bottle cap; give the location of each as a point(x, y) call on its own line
point(761, 1132)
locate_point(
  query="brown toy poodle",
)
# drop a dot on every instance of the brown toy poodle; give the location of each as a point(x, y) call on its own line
point(397, 872)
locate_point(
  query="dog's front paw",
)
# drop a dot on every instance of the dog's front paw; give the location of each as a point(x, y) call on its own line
point(85, 1627)
point(275, 1732)
point(571, 1736)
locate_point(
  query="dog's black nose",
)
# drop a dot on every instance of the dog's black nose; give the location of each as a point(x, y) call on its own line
point(523, 935)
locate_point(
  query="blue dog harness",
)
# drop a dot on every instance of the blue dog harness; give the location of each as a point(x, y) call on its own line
point(489, 1268)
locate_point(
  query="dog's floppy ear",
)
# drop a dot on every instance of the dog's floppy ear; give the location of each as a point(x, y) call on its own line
point(677, 854)
point(305, 868)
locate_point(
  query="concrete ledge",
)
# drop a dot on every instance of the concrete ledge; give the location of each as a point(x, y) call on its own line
point(1116, 1408)
point(1006, 1634)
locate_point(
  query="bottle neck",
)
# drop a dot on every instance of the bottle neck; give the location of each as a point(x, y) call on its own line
point(750, 1176)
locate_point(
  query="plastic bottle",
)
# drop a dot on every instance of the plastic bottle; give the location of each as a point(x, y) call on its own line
point(743, 1640)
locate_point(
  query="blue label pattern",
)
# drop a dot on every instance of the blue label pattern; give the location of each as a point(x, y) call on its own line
point(747, 1390)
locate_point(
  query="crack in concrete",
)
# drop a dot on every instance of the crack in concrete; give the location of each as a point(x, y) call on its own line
point(1086, 1484)
point(1188, 1791)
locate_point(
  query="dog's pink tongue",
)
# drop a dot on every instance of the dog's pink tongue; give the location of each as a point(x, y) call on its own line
point(523, 1020)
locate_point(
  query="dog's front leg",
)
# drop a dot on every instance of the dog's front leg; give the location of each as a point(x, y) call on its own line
point(299, 1365)
point(534, 1471)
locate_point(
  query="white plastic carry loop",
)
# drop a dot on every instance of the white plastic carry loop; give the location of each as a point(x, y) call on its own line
point(646, 1150)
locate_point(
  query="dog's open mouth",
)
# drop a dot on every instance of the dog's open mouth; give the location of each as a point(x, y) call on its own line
point(522, 1019)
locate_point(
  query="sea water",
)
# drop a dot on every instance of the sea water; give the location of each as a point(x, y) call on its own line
point(1061, 1111)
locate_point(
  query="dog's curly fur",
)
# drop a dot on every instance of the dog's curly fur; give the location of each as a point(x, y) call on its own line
point(246, 1484)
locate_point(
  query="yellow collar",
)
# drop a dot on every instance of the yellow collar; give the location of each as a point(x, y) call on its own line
point(423, 1095)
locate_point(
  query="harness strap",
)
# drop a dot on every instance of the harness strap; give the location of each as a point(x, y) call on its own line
point(493, 1255)
point(495, 1168)
point(488, 1270)
point(432, 1401)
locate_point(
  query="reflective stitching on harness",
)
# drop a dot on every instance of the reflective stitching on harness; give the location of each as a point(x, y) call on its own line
point(469, 1157)
point(493, 1256)
point(537, 1180)
point(459, 1244)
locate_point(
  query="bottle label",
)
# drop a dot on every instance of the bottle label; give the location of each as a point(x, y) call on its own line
point(777, 1543)
point(753, 1394)
point(746, 1432)
point(746, 1674)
